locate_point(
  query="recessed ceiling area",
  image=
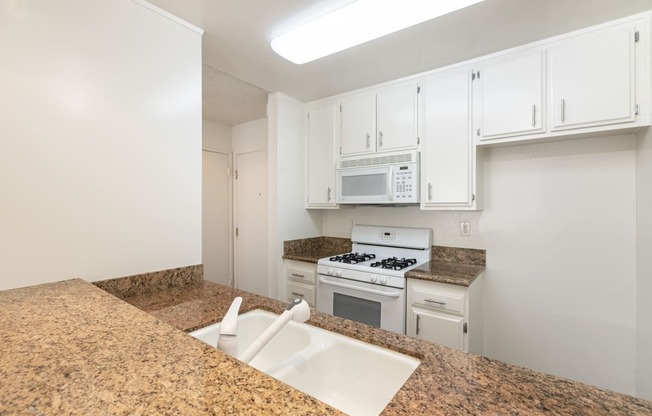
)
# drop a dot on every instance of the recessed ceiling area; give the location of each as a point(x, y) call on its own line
point(238, 34)
point(229, 100)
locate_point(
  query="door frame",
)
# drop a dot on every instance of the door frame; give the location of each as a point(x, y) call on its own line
point(231, 204)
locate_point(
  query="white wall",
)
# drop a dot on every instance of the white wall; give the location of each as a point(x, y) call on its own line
point(216, 136)
point(100, 120)
point(289, 220)
point(644, 263)
point(249, 137)
point(559, 227)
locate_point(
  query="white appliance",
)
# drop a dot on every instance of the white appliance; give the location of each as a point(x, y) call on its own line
point(368, 285)
point(385, 179)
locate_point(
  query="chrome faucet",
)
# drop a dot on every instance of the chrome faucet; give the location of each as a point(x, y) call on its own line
point(298, 311)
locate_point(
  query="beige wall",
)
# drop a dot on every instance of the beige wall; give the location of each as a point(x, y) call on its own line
point(644, 265)
point(100, 124)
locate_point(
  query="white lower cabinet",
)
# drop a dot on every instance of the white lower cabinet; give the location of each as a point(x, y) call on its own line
point(301, 279)
point(446, 314)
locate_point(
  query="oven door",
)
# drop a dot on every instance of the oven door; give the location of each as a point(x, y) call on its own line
point(375, 305)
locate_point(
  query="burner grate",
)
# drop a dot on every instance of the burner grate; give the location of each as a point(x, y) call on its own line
point(394, 263)
point(353, 258)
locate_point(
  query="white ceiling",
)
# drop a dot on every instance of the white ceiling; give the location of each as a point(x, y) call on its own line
point(237, 36)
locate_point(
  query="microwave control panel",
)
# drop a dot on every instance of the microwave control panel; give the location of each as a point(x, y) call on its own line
point(406, 188)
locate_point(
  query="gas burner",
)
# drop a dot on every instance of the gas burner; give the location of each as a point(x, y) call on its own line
point(353, 258)
point(394, 263)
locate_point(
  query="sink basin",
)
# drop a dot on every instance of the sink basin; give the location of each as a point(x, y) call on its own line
point(352, 376)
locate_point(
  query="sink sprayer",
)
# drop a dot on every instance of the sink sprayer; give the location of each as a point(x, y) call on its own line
point(227, 341)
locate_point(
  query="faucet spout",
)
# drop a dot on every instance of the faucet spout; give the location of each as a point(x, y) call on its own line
point(227, 340)
point(298, 311)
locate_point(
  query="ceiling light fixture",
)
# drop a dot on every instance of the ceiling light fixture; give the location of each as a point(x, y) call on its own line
point(356, 23)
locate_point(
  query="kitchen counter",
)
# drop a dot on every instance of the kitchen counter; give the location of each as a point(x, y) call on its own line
point(444, 272)
point(312, 249)
point(457, 266)
point(71, 348)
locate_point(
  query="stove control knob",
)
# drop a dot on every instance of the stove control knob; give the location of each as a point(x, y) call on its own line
point(338, 272)
point(373, 278)
point(330, 271)
point(383, 280)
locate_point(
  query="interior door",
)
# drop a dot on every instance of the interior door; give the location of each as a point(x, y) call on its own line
point(216, 202)
point(251, 221)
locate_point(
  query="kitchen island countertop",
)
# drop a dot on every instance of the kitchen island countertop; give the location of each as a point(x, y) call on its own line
point(71, 348)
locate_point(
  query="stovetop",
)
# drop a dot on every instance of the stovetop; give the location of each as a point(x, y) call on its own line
point(391, 263)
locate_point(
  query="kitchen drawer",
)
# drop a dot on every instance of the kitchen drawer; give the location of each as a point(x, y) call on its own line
point(301, 275)
point(435, 299)
point(302, 291)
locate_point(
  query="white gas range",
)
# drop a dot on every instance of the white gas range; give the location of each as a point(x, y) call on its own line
point(368, 284)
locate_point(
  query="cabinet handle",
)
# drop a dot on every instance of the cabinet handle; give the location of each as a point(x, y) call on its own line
point(368, 144)
point(418, 319)
point(438, 302)
point(297, 275)
point(429, 191)
point(534, 115)
point(563, 110)
point(298, 294)
point(329, 193)
point(380, 139)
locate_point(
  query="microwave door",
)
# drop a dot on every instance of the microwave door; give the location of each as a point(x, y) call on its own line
point(367, 185)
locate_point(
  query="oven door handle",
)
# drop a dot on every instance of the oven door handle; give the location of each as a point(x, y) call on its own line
point(361, 289)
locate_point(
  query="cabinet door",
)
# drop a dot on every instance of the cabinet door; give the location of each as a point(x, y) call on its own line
point(440, 328)
point(397, 117)
point(593, 79)
point(358, 125)
point(320, 180)
point(510, 96)
point(447, 150)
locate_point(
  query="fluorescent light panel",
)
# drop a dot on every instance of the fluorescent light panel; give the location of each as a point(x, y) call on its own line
point(357, 23)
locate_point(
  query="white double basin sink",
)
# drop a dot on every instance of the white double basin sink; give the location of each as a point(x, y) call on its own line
point(352, 376)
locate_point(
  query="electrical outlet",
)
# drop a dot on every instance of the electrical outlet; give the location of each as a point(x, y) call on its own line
point(465, 229)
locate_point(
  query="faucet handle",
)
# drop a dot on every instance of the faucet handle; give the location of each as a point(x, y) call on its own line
point(227, 340)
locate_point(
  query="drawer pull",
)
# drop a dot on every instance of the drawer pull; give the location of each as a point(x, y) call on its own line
point(438, 302)
point(298, 294)
point(298, 275)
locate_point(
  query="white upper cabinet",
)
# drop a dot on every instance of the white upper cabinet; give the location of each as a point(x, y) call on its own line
point(358, 125)
point(396, 110)
point(509, 95)
point(379, 121)
point(447, 154)
point(320, 156)
point(593, 78)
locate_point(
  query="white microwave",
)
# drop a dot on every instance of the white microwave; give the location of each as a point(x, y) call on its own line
point(388, 179)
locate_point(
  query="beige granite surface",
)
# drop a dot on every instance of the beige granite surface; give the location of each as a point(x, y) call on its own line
point(143, 283)
point(70, 348)
point(312, 249)
point(443, 272)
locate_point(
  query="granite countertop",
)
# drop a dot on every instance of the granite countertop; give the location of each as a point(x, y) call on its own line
point(444, 272)
point(71, 348)
point(312, 249)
